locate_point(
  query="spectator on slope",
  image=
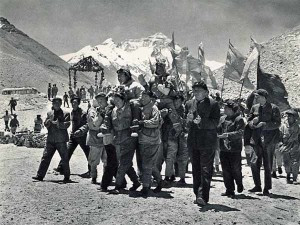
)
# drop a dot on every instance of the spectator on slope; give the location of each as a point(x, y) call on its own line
point(91, 92)
point(54, 91)
point(14, 123)
point(12, 103)
point(66, 101)
point(38, 124)
point(57, 123)
point(71, 93)
point(262, 135)
point(49, 91)
point(231, 129)
point(6, 118)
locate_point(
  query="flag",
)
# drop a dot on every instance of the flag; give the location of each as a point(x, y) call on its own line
point(151, 67)
point(201, 56)
point(234, 67)
point(252, 57)
point(273, 85)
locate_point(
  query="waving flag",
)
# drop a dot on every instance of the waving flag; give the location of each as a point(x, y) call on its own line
point(233, 69)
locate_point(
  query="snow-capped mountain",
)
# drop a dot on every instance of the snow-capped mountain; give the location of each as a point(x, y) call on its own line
point(134, 54)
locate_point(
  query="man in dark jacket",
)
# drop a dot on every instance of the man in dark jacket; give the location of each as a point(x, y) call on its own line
point(231, 129)
point(78, 133)
point(262, 135)
point(203, 119)
point(57, 123)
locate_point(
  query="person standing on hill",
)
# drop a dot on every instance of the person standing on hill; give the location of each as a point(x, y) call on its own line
point(66, 97)
point(91, 92)
point(49, 91)
point(57, 123)
point(12, 104)
point(6, 118)
point(14, 123)
point(38, 124)
point(54, 91)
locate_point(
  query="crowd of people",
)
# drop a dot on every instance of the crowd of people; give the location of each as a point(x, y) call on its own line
point(157, 123)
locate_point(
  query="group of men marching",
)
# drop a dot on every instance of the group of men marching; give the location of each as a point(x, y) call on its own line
point(159, 124)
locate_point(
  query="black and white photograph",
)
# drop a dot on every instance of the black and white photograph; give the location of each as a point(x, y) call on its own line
point(151, 112)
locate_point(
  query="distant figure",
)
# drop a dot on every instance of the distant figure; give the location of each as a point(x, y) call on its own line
point(12, 104)
point(96, 90)
point(83, 94)
point(6, 118)
point(38, 124)
point(91, 92)
point(14, 123)
point(54, 91)
point(66, 97)
point(49, 91)
point(71, 93)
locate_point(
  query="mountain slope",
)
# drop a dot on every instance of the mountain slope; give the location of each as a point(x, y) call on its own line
point(280, 55)
point(25, 62)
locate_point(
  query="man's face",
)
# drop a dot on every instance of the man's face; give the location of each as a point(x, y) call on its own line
point(101, 101)
point(200, 93)
point(228, 111)
point(118, 102)
point(260, 99)
point(177, 103)
point(56, 105)
point(122, 78)
point(290, 118)
point(75, 104)
point(145, 99)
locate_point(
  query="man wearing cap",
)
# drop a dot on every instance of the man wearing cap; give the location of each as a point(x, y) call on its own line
point(290, 136)
point(149, 141)
point(78, 133)
point(174, 127)
point(203, 119)
point(6, 118)
point(57, 123)
point(133, 91)
point(95, 119)
point(14, 123)
point(121, 120)
point(231, 129)
point(264, 121)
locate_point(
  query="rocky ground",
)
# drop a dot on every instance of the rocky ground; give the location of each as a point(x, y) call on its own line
point(24, 201)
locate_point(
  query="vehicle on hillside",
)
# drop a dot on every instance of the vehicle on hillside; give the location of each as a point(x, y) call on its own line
point(20, 90)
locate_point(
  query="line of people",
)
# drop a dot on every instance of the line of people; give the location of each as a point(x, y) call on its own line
point(160, 126)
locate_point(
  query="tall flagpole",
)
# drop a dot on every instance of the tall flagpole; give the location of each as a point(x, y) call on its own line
point(224, 77)
point(241, 89)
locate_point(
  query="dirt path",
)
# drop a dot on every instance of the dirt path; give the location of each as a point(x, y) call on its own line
point(23, 201)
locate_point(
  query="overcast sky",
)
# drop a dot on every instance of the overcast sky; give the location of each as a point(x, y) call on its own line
point(65, 26)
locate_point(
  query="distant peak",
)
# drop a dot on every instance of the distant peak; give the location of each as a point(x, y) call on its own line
point(108, 41)
point(7, 26)
point(158, 35)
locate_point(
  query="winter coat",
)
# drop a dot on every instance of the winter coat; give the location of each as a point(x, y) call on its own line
point(57, 132)
point(95, 119)
point(233, 126)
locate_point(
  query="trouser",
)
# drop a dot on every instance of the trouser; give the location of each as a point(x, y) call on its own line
point(258, 156)
point(13, 130)
point(72, 145)
point(217, 157)
point(12, 108)
point(48, 153)
point(66, 103)
point(202, 166)
point(291, 163)
point(182, 156)
point(161, 155)
point(49, 96)
point(231, 163)
point(96, 153)
point(171, 156)
point(6, 126)
point(277, 159)
point(149, 156)
point(127, 149)
point(91, 96)
point(111, 167)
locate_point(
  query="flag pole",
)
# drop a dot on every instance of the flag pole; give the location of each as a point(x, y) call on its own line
point(222, 84)
point(240, 95)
